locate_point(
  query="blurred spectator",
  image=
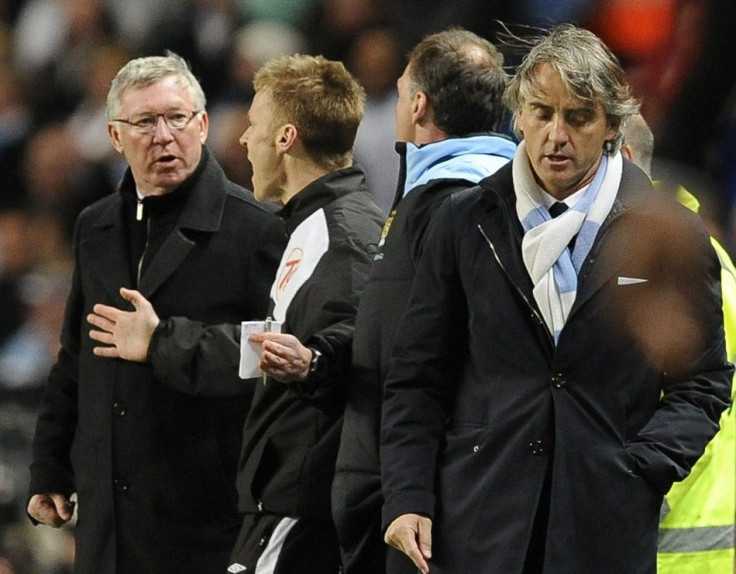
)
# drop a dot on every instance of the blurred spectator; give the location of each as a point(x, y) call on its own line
point(54, 41)
point(15, 128)
point(139, 23)
point(335, 23)
point(292, 12)
point(658, 42)
point(226, 127)
point(15, 259)
point(57, 178)
point(87, 123)
point(544, 14)
point(253, 45)
point(376, 58)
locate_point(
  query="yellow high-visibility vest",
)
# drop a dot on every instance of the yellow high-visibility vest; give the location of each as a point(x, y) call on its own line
point(696, 530)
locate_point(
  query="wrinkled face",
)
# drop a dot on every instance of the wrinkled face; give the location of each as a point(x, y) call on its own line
point(404, 127)
point(260, 139)
point(564, 135)
point(163, 159)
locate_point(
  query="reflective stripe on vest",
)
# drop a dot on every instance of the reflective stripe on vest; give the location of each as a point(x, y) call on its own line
point(696, 539)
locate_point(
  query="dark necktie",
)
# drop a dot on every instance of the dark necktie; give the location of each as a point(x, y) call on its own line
point(556, 209)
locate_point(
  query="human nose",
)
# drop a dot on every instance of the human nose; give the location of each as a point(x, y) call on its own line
point(162, 130)
point(243, 141)
point(558, 130)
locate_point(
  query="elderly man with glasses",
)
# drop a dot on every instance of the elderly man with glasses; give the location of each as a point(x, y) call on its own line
point(153, 469)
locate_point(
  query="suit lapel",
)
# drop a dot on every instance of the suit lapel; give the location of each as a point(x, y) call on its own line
point(167, 260)
point(501, 226)
point(611, 249)
point(202, 213)
point(108, 251)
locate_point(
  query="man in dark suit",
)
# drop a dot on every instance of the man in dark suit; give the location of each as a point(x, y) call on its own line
point(559, 366)
point(153, 469)
point(448, 113)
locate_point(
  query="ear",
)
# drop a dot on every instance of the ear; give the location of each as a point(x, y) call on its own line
point(286, 137)
point(613, 128)
point(627, 152)
point(421, 108)
point(204, 126)
point(115, 137)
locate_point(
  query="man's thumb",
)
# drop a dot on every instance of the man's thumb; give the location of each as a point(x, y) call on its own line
point(63, 506)
point(130, 295)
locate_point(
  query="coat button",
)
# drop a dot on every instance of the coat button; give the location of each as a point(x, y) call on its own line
point(536, 447)
point(119, 409)
point(558, 381)
point(476, 448)
point(121, 485)
point(262, 542)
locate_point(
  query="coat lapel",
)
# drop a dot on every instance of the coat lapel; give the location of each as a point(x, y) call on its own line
point(167, 260)
point(108, 250)
point(501, 226)
point(202, 213)
point(611, 249)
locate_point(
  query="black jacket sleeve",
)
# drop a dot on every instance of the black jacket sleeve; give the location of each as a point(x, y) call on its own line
point(200, 359)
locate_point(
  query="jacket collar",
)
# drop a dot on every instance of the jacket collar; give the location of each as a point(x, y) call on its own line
point(319, 193)
point(203, 211)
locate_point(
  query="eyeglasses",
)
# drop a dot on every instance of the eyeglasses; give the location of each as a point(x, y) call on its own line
point(147, 123)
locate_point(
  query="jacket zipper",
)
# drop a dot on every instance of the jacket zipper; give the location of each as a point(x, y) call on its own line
point(139, 216)
point(535, 314)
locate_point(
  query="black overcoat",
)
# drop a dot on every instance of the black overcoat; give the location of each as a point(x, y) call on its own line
point(154, 469)
point(482, 410)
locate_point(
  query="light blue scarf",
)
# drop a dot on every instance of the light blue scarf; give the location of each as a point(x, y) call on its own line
point(551, 266)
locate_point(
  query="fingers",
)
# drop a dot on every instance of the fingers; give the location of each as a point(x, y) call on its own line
point(64, 507)
point(104, 335)
point(101, 336)
point(51, 509)
point(411, 534)
point(134, 297)
point(107, 352)
point(103, 317)
point(106, 314)
point(286, 364)
point(425, 537)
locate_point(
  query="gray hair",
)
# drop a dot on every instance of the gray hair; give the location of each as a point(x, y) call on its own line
point(638, 136)
point(142, 72)
point(588, 69)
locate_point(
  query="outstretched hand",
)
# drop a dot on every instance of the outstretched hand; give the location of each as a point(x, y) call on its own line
point(124, 334)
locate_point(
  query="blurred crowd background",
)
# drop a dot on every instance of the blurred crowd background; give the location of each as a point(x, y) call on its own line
point(57, 58)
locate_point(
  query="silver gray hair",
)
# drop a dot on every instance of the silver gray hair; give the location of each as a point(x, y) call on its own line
point(588, 69)
point(142, 72)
